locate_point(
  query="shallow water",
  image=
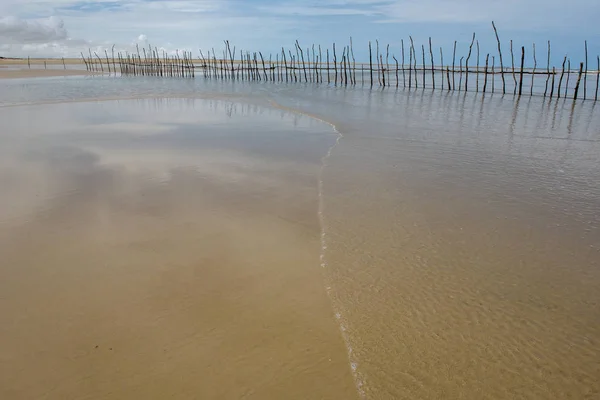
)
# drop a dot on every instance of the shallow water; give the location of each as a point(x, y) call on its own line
point(460, 232)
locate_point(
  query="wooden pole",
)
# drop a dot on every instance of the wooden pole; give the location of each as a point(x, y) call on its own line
point(370, 62)
point(522, 69)
point(403, 69)
point(87, 68)
point(328, 74)
point(335, 65)
point(320, 65)
point(397, 80)
point(533, 71)
point(383, 74)
point(423, 52)
point(568, 77)
point(432, 64)
point(107, 62)
point(597, 78)
point(353, 59)
point(485, 72)
point(410, 67)
point(99, 59)
point(414, 55)
point(387, 62)
point(553, 77)
point(113, 58)
point(378, 65)
point(448, 77)
point(586, 72)
point(512, 57)
point(493, 73)
point(562, 74)
point(442, 66)
point(501, 62)
point(477, 74)
point(578, 81)
point(467, 63)
point(547, 71)
point(454, 66)
point(460, 74)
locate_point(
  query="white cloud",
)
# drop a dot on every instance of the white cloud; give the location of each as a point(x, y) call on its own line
point(21, 31)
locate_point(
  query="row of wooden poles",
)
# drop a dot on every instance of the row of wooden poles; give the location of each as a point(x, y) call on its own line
point(315, 65)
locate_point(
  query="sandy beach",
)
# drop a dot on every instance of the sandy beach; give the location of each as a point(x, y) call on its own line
point(187, 270)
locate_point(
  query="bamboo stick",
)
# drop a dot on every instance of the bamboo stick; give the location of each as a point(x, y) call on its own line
point(414, 58)
point(442, 66)
point(578, 81)
point(353, 59)
point(522, 68)
point(501, 62)
point(99, 59)
point(320, 65)
point(448, 77)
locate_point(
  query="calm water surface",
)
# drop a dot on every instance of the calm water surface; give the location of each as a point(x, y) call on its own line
point(460, 233)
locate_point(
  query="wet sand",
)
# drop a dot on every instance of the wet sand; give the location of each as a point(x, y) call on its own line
point(172, 258)
point(460, 234)
point(41, 73)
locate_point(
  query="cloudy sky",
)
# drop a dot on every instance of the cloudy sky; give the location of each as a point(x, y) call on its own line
point(65, 27)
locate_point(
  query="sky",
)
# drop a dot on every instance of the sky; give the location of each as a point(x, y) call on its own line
point(60, 28)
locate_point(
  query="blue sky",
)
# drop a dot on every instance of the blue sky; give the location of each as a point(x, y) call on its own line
point(65, 27)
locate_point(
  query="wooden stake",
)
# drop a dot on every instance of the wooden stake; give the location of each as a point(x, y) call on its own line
point(597, 78)
point(335, 65)
point(397, 81)
point(423, 52)
point(578, 81)
point(553, 77)
point(403, 69)
point(512, 57)
point(442, 66)
point(568, 77)
point(370, 62)
point(561, 76)
point(467, 63)
point(485, 72)
point(477, 74)
point(547, 71)
point(432, 64)
point(454, 66)
point(586, 73)
point(460, 74)
point(533, 71)
point(522, 68)
point(493, 73)
point(500, 54)
point(410, 66)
